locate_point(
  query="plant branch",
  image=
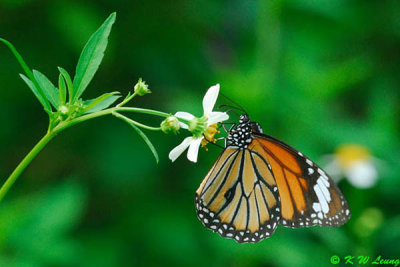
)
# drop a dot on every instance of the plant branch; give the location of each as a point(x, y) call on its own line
point(126, 100)
point(23, 164)
point(128, 120)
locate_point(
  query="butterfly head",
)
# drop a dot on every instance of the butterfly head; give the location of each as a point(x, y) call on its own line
point(255, 126)
point(244, 118)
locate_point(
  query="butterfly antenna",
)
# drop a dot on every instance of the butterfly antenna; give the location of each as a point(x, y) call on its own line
point(239, 107)
point(232, 109)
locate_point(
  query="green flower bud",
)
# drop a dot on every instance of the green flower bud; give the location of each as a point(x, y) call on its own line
point(197, 126)
point(63, 109)
point(170, 125)
point(141, 88)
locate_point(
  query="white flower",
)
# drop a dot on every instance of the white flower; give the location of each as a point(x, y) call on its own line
point(355, 163)
point(199, 127)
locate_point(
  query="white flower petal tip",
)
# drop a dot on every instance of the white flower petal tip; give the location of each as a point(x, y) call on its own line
point(183, 125)
point(194, 150)
point(215, 117)
point(210, 99)
point(184, 115)
point(177, 151)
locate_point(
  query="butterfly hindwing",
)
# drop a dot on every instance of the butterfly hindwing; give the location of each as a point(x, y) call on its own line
point(238, 198)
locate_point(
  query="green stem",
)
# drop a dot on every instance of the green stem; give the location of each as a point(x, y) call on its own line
point(122, 117)
point(126, 100)
point(143, 110)
point(64, 125)
point(24, 163)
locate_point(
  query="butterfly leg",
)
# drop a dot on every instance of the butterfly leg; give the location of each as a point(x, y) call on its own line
point(213, 143)
point(223, 125)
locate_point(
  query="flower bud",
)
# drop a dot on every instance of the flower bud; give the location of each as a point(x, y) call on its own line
point(63, 109)
point(141, 88)
point(170, 125)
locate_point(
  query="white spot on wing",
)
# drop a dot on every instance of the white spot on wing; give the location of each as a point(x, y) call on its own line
point(323, 188)
point(322, 201)
point(316, 206)
point(325, 181)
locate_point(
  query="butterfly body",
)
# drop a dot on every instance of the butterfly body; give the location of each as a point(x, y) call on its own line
point(259, 182)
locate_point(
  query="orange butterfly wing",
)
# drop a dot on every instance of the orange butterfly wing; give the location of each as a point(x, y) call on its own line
point(308, 196)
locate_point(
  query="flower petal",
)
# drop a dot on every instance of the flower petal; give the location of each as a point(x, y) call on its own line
point(362, 174)
point(210, 98)
point(183, 125)
point(184, 115)
point(177, 151)
point(194, 149)
point(215, 117)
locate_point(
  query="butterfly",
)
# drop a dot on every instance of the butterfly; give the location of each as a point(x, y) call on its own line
point(259, 182)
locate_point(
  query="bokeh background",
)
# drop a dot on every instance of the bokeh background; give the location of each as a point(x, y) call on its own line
point(316, 74)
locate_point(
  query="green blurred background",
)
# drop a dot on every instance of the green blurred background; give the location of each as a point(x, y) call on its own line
point(316, 74)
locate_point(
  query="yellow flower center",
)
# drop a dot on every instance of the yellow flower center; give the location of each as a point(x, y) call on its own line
point(209, 134)
point(349, 154)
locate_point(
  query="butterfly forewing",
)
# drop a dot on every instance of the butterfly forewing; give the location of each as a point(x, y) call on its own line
point(308, 196)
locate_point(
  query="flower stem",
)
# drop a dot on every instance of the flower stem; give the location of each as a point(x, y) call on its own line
point(23, 164)
point(64, 125)
point(127, 100)
point(122, 117)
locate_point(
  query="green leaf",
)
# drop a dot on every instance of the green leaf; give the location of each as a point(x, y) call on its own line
point(70, 86)
point(91, 57)
point(49, 90)
point(101, 102)
point(35, 91)
point(63, 89)
point(146, 139)
point(35, 88)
